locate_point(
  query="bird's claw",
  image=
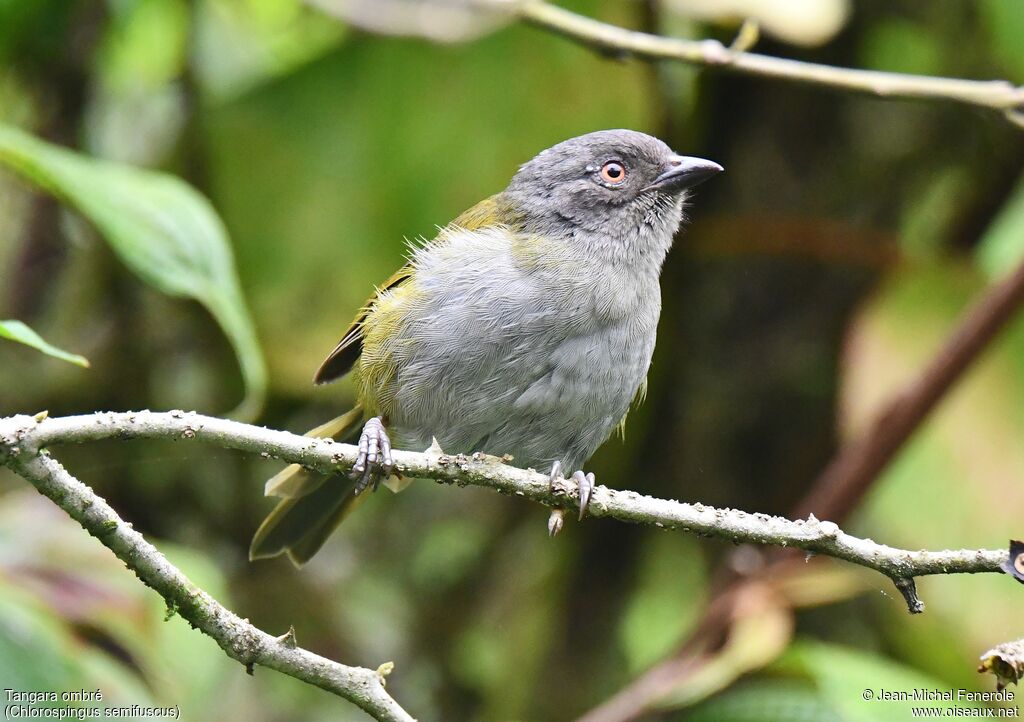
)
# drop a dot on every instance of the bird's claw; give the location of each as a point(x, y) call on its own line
point(373, 461)
point(584, 483)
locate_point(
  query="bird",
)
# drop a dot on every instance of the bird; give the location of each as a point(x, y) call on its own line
point(524, 329)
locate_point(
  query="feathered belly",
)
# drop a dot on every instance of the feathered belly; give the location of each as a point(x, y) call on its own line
point(539, 392)
point(488, 355)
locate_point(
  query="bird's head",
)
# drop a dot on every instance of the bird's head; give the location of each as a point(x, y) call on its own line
point(618, 187)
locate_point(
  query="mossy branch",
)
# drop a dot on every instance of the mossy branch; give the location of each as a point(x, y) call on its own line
point(21, 438)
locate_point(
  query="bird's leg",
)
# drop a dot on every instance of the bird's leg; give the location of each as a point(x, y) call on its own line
point(373, 462)
point(585, 484)
point(557, 518)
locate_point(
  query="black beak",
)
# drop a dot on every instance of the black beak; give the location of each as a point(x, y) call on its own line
point(682, 172)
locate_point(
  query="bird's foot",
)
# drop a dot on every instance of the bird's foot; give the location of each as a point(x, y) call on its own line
point(585, 485)
point(373, 462)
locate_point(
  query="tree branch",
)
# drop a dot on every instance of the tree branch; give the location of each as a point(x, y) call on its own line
point(21, 435)
point(21, 449)
point(845, 480)
point(998, 95)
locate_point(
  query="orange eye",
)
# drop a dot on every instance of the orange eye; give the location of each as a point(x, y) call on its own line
point(613, 172)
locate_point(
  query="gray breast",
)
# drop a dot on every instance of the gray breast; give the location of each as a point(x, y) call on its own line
point(500, 358)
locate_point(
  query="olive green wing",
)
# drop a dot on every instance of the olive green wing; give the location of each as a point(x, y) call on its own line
point(344, 356)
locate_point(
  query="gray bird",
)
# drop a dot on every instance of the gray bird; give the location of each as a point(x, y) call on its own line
point(526, 327)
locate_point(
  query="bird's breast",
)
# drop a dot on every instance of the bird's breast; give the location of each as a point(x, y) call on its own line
point(535, 359)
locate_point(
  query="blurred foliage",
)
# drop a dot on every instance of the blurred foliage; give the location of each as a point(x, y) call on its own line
point(17, 331)
point(802, 22)
point(818, 276)
point(74, 618)
point(162, 229)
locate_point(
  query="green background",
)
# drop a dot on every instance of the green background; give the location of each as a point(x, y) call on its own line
point(818, 275)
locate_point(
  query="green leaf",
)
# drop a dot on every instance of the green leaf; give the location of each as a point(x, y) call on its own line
point(17, 331)
point(161, 228)
point(779, 699)
point(1002, 246)
point(851, 681)
point(657, 615)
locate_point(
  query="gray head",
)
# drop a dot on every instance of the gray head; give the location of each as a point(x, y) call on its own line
point(616, 187)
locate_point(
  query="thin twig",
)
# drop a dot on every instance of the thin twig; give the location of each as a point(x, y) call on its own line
point(328, 457)
point(21, 451)
point(998, 95)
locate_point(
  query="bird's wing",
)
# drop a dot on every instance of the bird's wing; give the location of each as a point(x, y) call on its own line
point(341, 360)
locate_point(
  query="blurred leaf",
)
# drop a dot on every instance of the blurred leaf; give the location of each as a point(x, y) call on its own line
point(759, 632)
point(17, 331)
point(931, 213)
point(446, 553)
point(670, 590)
point(1002, 247)
point(901, 46)
point(1005, 23)
point(239, 44)
point(137, 107)
point(72, 617)
point(842, 675)
point(145, 43)
point(823, 581)
point(30, 25)
point(513, 626)
point(162, 229)
point(30, 655)
point(778, 700)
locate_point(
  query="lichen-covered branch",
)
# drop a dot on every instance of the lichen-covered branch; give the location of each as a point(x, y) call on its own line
point(998, 95)
point(26, 434)
point(21, 449)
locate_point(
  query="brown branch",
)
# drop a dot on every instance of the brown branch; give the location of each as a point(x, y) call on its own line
point(845, 480)
point(837, 491)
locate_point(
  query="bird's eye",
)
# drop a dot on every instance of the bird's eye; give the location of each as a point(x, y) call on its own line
point(613, 172)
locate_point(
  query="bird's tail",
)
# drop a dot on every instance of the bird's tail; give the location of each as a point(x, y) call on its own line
point(312, 505)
